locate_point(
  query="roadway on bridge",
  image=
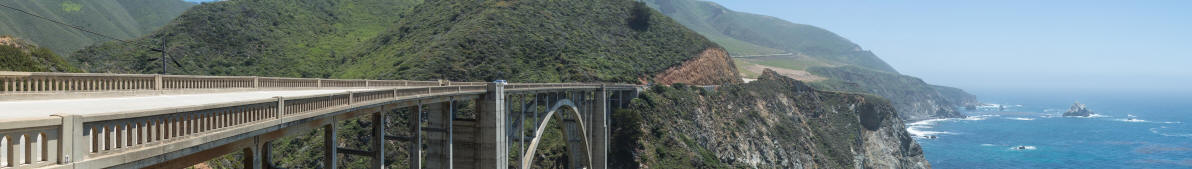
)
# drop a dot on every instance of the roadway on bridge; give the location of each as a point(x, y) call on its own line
point(43, 108)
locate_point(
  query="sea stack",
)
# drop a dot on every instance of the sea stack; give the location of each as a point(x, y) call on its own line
point(1078, 110)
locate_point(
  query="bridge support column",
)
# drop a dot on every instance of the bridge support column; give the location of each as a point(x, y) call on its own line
point(266, 149)
point(330, 146)
point(493, 141)
point(599, 130)
point(416, 138)
point(252, 157)
point(378, 140)
point(439, 150)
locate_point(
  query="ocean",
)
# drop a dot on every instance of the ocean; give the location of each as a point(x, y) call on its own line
point(1130, 131)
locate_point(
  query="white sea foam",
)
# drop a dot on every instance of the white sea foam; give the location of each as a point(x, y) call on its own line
point(1145, 121)
point(979, 117)
point(1020, 118)
point(987, 145)
point(917, 131)
point(1131, 120)
point(1156, 131)
point(1023, 148)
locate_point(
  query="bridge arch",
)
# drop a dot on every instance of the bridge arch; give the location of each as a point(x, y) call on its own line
point(585, 147)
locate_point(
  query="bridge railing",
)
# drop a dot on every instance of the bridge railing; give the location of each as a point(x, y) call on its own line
point(30, 143)
point(48, 82)
point(112, 133)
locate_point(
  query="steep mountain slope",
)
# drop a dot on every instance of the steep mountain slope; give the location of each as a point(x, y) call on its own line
point(534, 41)
point(752, 34)
point(617, 40)
point(774, 122)
point(256, 37)
point(124, 19)
point(20, 55)
point(817, 56)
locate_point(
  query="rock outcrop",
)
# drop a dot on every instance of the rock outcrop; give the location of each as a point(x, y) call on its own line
point(713, 66)
point(1078, 110)
point(773, 122)
point(915, 99)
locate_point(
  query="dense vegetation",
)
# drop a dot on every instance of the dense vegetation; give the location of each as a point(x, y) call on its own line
point(124, 19)
point(256, 37)
point(18, 55)
point(751, 34)
point(534, 41)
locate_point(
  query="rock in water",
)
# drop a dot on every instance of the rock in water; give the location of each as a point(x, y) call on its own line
point(1078, 110)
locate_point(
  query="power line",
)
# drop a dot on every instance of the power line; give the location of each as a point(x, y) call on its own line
point(80, 28)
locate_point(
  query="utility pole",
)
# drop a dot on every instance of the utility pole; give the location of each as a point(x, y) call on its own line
point(164, 66)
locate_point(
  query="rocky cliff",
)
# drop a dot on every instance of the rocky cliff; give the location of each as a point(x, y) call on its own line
point(1078, 110)
point(774, 122)
point(914, 99)
point(713, 66)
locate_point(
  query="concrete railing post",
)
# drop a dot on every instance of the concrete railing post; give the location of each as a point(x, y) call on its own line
point(256, 82)
point(319, 83)
point(157, 82)
point(73, 145)
point(281, 107)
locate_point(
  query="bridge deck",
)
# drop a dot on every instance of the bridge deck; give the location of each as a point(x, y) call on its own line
point(43, 108)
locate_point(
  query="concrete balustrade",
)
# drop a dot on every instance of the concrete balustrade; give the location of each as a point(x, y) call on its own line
point(47, 82)
point(29, 143)
point(117, 132)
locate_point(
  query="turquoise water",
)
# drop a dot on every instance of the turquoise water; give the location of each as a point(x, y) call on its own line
point(1157, 136)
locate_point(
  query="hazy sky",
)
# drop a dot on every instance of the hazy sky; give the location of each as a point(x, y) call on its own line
point(1013, 45)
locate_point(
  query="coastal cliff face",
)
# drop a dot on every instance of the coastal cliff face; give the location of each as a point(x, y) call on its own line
point(914, 99)
point(713, 66)
point(774, 122)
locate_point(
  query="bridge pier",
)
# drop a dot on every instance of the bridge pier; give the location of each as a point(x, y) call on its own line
point(330, 146)
point(439, 130)
point(415, 143)
point(493, 141)
point(378, 141)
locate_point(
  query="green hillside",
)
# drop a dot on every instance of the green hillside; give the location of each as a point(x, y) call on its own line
point(617, 40)
point(465, 41)
point(257, 37)
point(20, 55)
point(124, 19)
point(744, 34)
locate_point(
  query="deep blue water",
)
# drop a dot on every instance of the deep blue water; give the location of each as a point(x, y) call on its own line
point(1160, 135)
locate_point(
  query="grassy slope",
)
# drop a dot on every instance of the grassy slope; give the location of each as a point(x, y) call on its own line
point(257, 37)
point(538, 41)
point(31, 58)
point(119, 18)
point(766, 33)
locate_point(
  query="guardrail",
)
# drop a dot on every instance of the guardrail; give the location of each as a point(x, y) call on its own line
point(48, 82)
